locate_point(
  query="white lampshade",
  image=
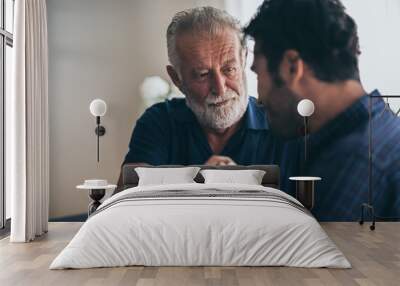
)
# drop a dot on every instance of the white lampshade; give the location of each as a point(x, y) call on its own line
point(154, 87)
point(305, 107)
point(98, 107)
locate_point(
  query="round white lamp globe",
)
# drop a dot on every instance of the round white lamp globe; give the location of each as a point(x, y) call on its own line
point(305, 107)
point(98, 107)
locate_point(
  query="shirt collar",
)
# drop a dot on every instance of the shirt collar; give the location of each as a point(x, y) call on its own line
point(254, 117)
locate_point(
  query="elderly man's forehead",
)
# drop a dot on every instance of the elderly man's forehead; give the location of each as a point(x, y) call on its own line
point(204, 40)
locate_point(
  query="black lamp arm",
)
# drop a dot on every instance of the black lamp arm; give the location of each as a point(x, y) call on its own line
point(100, 131)
point(305, 137)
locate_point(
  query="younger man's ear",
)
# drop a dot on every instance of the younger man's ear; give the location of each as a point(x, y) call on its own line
point(292, 67)
point(174, 76)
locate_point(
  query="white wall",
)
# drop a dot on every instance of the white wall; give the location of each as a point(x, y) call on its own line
point(244, 11)
point(378, 26)
point(99, 49)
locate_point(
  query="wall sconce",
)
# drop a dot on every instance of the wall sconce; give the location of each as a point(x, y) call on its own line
point(305, 108)
point(305, 185)
point(98, 108)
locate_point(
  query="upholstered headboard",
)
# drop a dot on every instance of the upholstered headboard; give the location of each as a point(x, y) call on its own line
point(270, 179)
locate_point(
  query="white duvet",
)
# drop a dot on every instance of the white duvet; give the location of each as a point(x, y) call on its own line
point(183, 231)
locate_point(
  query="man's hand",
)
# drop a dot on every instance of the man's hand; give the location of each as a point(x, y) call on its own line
point(216, 160)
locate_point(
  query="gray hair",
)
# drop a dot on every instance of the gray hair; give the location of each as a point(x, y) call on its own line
point(199, 19)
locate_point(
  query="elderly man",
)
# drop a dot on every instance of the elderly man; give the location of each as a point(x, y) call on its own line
point(307, 49)
point(217, 123)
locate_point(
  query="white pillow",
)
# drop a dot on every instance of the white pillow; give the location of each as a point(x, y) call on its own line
point(164, 176)
point(248, 177)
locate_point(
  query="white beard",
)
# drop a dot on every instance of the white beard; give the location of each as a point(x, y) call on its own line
point(219, 117)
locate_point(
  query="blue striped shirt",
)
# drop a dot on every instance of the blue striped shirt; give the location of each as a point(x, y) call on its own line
point(338, 153)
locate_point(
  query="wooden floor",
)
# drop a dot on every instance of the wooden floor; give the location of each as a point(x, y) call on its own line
point(374, 255)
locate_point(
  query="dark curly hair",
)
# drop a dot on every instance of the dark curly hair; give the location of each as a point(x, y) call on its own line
point(319, 30)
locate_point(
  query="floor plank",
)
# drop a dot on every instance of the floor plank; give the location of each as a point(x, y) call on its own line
point(374, 255)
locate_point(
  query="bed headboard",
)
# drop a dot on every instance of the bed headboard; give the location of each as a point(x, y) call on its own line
point(271, 178)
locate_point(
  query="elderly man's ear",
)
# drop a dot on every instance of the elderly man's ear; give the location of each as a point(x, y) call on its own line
point(173, 74)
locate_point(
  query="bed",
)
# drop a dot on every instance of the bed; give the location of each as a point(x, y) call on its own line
point(201, 224)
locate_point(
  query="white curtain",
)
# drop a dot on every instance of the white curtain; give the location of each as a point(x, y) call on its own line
point(27, 133)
